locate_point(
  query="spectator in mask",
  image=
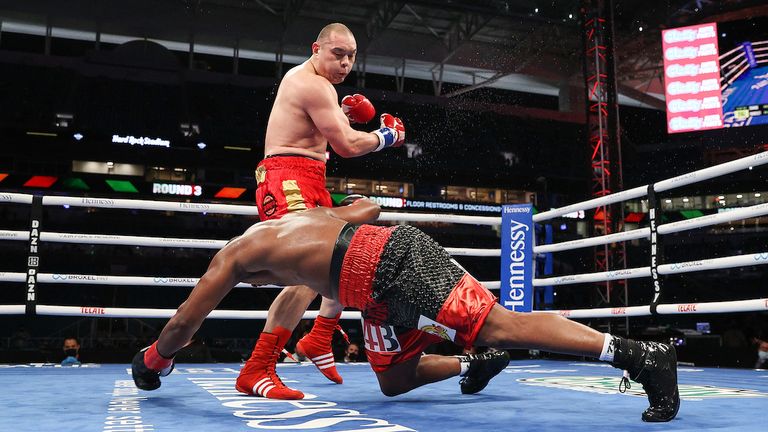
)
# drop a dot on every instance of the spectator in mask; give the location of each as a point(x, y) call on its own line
point(352, 353)
point(71, 351)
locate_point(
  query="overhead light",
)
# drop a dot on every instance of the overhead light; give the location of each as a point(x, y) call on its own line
point(78, 136)
point(64, 119)
point(536, 10)
point(757, 195)
point(685, 199)
point(723, 34)
point(189, 129)
point(721, 197)
point(640, 28)
point(110, 165)
point(570, 16)
point(739, 196)
point(667, 201)
point(201, 145)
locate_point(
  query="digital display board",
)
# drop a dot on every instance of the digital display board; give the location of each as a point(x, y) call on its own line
point(716, 76)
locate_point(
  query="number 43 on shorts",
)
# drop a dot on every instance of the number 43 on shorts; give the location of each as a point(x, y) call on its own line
point(380, 338)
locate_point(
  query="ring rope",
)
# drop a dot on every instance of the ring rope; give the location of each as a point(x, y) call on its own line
point(164, 313)
point(663, 309)
point(191, 207)
point(664, 269)
point(84, 279)
point(679, 181)
point(666, 309)
point(738, 48)
point(11, 197)
point(107, 239)
point(664, 185)
point(668, 228)
point(12, 309)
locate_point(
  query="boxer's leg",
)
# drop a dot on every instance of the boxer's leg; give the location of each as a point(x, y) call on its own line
point(425, 369)
point(316, 345)
point(652, 364)
point(288, 307)
point(417, 371)
point(258, 376)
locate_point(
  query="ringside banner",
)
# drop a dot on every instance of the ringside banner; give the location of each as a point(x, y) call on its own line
point(517, 257)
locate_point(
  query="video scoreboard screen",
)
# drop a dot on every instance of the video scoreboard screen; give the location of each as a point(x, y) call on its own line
point(715, 76)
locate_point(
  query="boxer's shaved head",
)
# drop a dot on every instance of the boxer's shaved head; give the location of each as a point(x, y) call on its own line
point(326, 32)
point(333, 53)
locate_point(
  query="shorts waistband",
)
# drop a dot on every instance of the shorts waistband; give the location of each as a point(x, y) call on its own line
point(290, 155)
point(339, 251)
point(359, 267)
point(307, 165)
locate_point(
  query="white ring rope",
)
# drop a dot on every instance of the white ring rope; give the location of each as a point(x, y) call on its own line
point(664, 269)
point(663, 309)
point(131, 204)
point(12, 309)
point(15, 198)
point(122, 240)
point(191, 207)
point(728, 72)
point(679, 181)
point(88, 311)
point(668, 228)
point(593, 241)
point(664, 185)
point(450, 218)
point(666, 309)
point(84, 279)
point(14, 235)
point(738, 48)
point(107, 239)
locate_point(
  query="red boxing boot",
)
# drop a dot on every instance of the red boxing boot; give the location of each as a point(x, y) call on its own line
point(316, 346)
point(258, 376)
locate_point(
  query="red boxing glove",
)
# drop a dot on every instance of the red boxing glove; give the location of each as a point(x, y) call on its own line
point(392, 132)
point(357, 108)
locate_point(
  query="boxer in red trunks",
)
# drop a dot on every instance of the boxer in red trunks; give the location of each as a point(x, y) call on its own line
point(400, 279)
point(305, 118)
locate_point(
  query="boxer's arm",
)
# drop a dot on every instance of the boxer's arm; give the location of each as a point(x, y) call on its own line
point(222, 275)
point(359, 212)
point(321, 106)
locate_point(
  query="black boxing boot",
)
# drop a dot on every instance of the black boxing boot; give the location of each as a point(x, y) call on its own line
point(482, 367)
point(148, 366)
point(654, 365)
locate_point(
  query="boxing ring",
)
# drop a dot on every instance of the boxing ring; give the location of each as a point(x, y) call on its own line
point(744, 83)
point(202, 397)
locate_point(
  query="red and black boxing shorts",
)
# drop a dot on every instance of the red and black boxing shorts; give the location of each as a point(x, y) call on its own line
point(411, 294)
point(289, 183)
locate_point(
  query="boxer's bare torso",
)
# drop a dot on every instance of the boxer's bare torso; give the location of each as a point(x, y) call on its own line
point(306, 115)
point(296, 249)
point(290, 129)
